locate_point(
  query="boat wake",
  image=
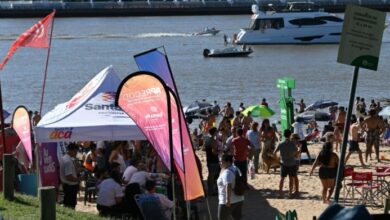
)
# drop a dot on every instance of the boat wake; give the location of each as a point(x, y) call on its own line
point(105, 36)
point(152, 35)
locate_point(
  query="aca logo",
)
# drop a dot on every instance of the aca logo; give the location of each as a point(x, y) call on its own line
point(108, 96)
point(61, 134)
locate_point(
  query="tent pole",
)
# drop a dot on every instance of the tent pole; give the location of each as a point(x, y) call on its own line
point(171, 150)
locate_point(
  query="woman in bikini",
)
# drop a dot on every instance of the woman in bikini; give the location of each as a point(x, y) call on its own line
point(328, 162)
point(268, 136)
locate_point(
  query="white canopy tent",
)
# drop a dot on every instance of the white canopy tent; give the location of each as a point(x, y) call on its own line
point(91, 115)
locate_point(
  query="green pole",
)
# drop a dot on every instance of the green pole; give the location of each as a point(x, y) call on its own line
point(8, 176)
point(47, 203)
point(340, 169)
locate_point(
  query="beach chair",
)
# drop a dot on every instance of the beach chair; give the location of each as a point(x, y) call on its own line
point(365, 186)
point(150, 207)
point(347, 183)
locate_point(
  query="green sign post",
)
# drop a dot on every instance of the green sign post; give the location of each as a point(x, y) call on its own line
point(286, 101)
point(360, 47)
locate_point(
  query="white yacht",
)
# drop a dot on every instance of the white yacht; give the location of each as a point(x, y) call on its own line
point(298, 23)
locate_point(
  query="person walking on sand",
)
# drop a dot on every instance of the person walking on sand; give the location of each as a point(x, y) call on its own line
point(211, 148)
point(288, 152)
point(229, 204)
point(374, 127)
point(240, 152)
point(354, 140)
point(253, 136)
point(328, 162)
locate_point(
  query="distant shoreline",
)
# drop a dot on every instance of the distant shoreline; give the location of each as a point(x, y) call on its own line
point(155, 8)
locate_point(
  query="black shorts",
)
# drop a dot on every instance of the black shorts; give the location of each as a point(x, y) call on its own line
point(353, 146)
point(328, 173)
point(288, 170)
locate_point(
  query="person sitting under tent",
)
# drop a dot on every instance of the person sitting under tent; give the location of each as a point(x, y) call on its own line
point(110, 195)
point(141, 176)
point(166, 204)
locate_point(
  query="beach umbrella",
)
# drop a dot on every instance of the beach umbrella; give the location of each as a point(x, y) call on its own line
point(321, 104)
point(385, 111)
point(314, 115)
point(261, 111)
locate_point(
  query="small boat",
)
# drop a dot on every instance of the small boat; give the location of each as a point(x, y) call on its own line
point(227, 52)
point(208, 31)
point(298, 23)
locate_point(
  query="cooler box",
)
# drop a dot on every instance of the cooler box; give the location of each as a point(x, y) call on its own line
point(27, 184)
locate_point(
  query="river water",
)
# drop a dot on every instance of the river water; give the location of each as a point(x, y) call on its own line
point(81, 47)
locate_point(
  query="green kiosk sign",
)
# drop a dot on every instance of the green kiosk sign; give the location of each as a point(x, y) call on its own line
point(362, 37)
point(286, 101)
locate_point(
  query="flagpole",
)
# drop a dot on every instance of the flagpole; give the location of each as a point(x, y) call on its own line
point(2, 125)
point(47, 64)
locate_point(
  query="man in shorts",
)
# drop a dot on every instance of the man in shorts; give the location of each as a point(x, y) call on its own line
point(288, 152)
point(354, 140)
point(374, 127)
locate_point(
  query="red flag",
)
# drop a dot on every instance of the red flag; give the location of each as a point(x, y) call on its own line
point(36, 36)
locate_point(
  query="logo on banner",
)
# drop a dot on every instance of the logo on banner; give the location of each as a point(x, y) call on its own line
point(61, 134)
point(105, 102)
point(142, 94)
point(108, 97)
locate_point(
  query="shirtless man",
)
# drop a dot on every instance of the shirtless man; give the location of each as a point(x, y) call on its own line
point(246, 122)
point(340, 121)
point(237, 120)
point(354, 140)
point(228, 111)
point(374, 127)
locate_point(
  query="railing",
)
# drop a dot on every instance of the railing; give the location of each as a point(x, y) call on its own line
point(173, 4)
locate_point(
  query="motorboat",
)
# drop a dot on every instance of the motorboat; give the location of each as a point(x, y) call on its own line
point(227, 52)
point(197, 110)
point(208, 31)
point(298, 23)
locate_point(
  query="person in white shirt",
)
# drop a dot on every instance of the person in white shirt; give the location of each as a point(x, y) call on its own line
point(253, 136)
point(110, 195)
point(69, 178)
point(141, 176)
point(130, 170)
point(229, 204)
point(166, 204)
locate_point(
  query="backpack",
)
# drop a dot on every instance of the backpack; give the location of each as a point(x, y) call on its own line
point(240, 185)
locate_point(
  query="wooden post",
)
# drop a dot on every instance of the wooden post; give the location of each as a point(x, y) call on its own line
point(387, 206)
point(8, 176)
point(47, 203)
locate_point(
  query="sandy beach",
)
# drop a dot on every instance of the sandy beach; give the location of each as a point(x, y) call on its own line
point(262, 200)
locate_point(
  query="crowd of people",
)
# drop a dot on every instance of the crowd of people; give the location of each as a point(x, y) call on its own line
point(121, 170)
point(239, 137)
point(235, 145)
